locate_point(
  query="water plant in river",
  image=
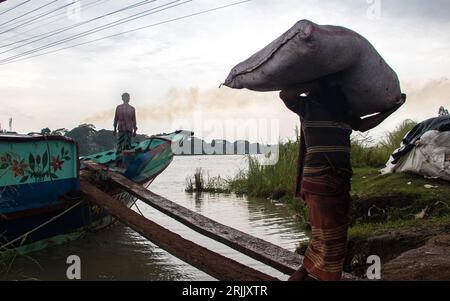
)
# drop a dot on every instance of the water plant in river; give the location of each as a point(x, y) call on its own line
point(278, 181)
point(390, 195)
point(199, 183)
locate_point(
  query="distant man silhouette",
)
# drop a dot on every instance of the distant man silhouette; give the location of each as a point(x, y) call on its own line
point(125, 122)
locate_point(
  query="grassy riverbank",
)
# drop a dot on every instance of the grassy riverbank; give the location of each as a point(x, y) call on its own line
point(391, 215)
point(278, 181)
point(395, 201)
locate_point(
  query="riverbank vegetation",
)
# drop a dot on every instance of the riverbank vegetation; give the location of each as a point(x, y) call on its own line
point(369, 153)
point(390, 215)
point(89, 139)
point(204, 183)
point(378, 202)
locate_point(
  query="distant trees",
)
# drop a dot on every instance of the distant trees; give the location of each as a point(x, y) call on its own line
point(196, 146)
point(85, 135)
point(106, 139)
point(91, 141)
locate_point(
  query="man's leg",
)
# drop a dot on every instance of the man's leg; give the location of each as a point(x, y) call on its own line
point(324, 258)
point(299, 275)
point(124, 141)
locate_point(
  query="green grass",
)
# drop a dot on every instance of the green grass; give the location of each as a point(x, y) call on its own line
point(397, 197)
point(274, 181)
point(278, 181)
point(371, 229)
point(263, 181)
point(400, 196)
point(365, 153)
point(367, 182)
point(198, 183)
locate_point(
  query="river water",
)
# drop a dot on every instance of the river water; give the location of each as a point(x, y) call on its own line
point(119, 253)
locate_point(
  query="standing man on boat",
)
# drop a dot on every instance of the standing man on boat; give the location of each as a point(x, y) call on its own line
point(324, 172)
point(125, 122)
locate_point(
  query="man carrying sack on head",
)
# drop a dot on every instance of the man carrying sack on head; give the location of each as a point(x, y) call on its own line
point(324, 172)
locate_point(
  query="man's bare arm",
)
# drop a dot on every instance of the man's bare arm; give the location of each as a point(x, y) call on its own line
point(371, 122)
point(290, 96)
point(134, 123)
point(290, 101)
point(366, 124)
point(296, 90)
point(116, 119)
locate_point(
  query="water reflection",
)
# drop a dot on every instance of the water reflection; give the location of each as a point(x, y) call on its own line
point(115, 254)
point(121, 254)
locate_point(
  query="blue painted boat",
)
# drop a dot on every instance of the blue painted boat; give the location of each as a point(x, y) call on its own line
point(40, 200)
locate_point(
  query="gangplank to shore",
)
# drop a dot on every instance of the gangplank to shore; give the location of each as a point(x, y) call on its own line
point(49, 195)
point(208, 261)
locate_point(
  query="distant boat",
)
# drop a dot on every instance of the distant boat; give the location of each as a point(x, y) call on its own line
point(40, 200)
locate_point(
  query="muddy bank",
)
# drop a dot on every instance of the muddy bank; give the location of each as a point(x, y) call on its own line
point(430, 262)
point(417, 253)
point(393, 246)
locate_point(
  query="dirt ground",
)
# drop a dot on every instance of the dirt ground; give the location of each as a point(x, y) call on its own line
point(429, 262)
point(421, 253)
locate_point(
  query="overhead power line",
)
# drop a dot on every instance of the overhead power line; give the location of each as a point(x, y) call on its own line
point(83, 8)
point(64, 29)
point(29, 12)
point(111, 13)
point(3, 62)
point(23, 20)
point(37, 17)
point(97, 29)
point(14, 7)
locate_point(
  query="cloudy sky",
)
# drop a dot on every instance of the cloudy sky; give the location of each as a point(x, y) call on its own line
point(173, 70)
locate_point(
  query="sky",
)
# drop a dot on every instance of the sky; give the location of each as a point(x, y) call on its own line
point(173, 70)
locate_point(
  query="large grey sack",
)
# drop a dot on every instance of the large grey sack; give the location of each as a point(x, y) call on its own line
point(308, 52)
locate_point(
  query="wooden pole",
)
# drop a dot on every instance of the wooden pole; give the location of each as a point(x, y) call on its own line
point(281, 259)
point(216, 265)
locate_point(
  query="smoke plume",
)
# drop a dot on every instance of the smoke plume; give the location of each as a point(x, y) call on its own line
point(181, 102)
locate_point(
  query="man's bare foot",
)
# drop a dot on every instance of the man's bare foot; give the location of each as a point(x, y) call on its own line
point(299, 275)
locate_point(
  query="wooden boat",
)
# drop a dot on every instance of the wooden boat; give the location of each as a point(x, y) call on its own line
point(40, 200)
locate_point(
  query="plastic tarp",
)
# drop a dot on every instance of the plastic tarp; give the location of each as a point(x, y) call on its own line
point(430, 157)
point(441, 123)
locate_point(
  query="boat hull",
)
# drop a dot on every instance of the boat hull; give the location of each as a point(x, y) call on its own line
point(31, 230)
point(40, 200)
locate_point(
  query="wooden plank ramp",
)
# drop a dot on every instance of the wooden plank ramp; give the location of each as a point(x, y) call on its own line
point(270, 254)
point(279, 258)
point(216, 265)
